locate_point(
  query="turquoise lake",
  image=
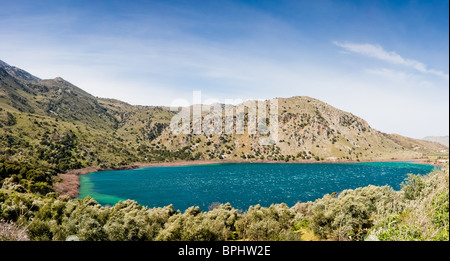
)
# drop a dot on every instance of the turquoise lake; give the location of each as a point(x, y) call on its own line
point(241, 184)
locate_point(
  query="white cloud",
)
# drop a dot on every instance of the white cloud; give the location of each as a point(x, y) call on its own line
point(376, 51)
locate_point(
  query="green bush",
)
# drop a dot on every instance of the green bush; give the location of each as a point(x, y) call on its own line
point(425, 210)
point(273, 223)
point(440, 217)
point(413, 186)
point(350, 215)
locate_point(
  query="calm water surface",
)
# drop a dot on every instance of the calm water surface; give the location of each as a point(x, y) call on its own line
point(241, 184)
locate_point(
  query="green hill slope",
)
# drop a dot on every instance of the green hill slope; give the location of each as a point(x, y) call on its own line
point(56, 124)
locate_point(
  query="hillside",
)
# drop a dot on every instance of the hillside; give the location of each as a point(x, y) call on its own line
point(18, 73)
point(422, 146)
point(308, 130)
point(56, 124)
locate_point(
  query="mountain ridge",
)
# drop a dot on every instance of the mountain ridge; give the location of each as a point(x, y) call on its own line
point(49, 117)
point(18, 73)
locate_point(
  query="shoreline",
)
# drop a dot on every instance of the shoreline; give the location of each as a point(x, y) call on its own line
point(69, 182)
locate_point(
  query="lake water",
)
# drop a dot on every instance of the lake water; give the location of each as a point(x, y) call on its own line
point(240, 184)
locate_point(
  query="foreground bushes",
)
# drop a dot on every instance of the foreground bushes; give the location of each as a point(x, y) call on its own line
point(418, 212)
point(58, 218)
point(426, 215)
point(350, 215)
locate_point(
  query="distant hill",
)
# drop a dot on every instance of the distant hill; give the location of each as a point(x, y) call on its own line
point(423, 146)
point(56, 123)
point(444, 140)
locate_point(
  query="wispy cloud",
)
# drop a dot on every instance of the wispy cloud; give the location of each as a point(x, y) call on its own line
point(391, 74)
point(377, 52)
point(401, 79)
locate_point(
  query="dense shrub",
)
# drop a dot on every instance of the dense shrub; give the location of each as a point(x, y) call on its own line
point(425, 215)
point(193, 224)
point(350, 215)
point(273, 223)
point(23, 177)
point(413, 186)
point(129, 221)
point(440, 215)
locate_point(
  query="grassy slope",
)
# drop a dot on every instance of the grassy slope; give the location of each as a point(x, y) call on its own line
point(429, 148)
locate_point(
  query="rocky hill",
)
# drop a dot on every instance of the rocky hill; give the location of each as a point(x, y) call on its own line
point(308, 130)
point(54, 123)
point(18, 73)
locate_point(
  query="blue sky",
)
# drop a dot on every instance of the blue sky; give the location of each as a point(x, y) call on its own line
point(385, 61)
